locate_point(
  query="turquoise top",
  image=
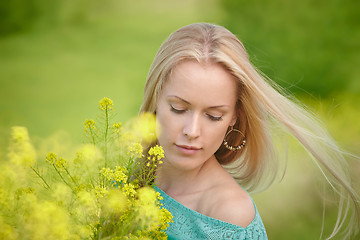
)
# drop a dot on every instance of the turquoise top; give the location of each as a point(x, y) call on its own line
point(189, 224)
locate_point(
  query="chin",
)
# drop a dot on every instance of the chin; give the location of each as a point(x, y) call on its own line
point(184, 163)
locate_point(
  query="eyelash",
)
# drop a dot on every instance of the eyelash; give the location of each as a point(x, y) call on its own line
point(212, 118)
point(176, 110)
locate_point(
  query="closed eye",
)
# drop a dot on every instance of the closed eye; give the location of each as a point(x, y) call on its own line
point(213, 118)
point(175, 110)
point(180, 111)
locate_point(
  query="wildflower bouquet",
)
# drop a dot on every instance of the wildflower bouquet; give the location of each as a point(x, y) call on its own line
point(104, 192)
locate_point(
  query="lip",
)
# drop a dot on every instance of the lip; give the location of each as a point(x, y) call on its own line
point(187, 150)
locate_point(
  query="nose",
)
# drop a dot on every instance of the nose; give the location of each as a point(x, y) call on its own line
point(192, 126)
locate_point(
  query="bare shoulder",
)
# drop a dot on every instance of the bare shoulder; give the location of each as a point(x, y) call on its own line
point(232, 204)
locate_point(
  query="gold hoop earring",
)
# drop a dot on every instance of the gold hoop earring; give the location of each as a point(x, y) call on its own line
point(234, 148)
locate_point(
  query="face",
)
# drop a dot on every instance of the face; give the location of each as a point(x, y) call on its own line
point(195, 108)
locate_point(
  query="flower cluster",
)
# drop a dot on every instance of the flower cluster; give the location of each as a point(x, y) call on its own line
point(59, 163)
point(103, 192)
point(145, 127)
point(155, 155)
point(89, 124)
point(21, 151)
point(105, 104)
point(117, 127)
point(117, 176)
point(135, 150)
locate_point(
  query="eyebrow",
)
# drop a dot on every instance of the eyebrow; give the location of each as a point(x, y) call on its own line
point(179, 98)
point(183, 100)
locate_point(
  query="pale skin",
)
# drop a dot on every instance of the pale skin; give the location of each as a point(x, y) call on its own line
point(194, 111)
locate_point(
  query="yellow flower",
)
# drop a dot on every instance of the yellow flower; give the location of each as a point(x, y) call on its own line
point(61, 163)
point(100, 192)
point(117, 127)
point(129, 189)
point(87, 156)
point(51, 158)
point(107, 173)
point(158, 196)
point(119, 175)
point(105, 104)
point(89, 124)
point(166, 218)
point(86, 199)
point(19, 134)
point(47, 220)
point(28, 190)
point(62, 194)
point(6, 231)
point(86, 210)
point(21, 151)
point(148, 214)
point(115, 202)
point(135, 150)
point(156, 153)
point(80, 188)
point(145, 127)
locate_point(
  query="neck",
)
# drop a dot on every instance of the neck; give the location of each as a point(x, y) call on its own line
point(179, 181)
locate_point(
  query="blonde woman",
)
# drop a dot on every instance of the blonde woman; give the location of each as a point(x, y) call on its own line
point(214, 115)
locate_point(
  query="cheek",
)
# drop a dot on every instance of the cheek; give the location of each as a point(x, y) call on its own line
point(217, 138)
point(165, 127)
point(160, 120)
point(160, 128)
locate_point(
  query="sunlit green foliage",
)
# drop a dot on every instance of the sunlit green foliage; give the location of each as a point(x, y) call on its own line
point(310, 46)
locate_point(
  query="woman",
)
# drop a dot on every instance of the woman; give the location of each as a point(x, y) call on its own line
point(214, 114)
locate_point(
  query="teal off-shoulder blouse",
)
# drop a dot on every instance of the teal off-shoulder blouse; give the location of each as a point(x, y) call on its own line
point(189, 224)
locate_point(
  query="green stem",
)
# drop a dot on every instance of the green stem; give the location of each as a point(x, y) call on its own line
point(102, 180)
point(92, 136)
point(62, 177)
point(147, 177)
point(130, 168)
point(70, 176)
point(40, 177)
point(91, 180)
point(151, 171)
point(106, 133)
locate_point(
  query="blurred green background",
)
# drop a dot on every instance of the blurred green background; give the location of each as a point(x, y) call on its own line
point(58, 58)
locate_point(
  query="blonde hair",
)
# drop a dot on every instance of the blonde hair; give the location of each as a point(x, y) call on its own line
point(259, 104)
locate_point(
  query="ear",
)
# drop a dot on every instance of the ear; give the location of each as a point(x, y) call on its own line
point(233, 120)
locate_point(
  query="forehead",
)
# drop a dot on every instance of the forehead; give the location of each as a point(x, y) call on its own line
point(208, 83)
